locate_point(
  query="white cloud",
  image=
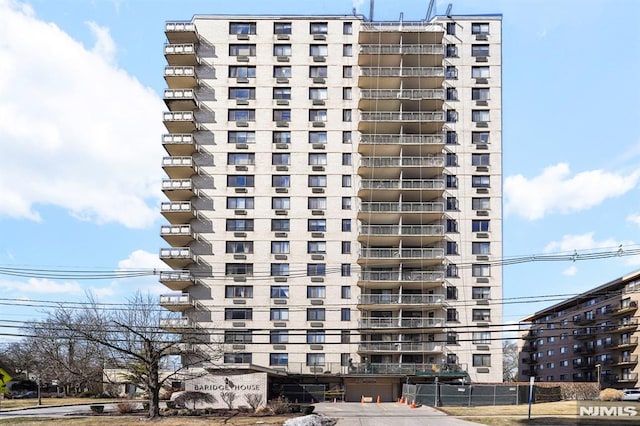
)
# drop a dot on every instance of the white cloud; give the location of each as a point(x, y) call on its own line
point(42, 286)
point(583, 242)
point(556, 191)
point(570, 271)
point(77, 132)
point(140, 259)
point(634, 218)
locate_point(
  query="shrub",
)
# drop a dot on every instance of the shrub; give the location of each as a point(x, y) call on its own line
point(610, 394)
point(254, 400)
point(579, 391)
point(279, 406)
point(228, 398)
point(195, 397)
point(126, 407)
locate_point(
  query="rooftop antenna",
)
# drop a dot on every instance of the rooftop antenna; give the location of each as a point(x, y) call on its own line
point(430, 10)
point(371, 3)
point(354, 11)
point(448, 13)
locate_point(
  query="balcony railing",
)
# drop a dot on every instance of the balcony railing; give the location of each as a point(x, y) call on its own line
point(627, 359)
point(629, 377)
point(402, 116)
point(181, 32)
point(402, 183)
point(401, 322)
point(406, 49)
point(177, 161)
point(400, 347)
point(392, 207)
point(405, 253)
point(405, 299)
point(179, 72)
point(178, 116)
point(175, 300)
point(402, 72)
point(435, 160)
point(375, 369)
point(415, 94)
point(410, 276)
point(180, 27)
point(176, 280)
point(175, 253)
point(627, 341)
point(180, 49)
point(402, 230)
point(175, 323)
point(393, 139)
point(418, 26)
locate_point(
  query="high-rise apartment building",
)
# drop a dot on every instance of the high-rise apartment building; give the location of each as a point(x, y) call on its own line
point(334, 195)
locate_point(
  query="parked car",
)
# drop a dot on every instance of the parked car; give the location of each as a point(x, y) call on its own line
point(631, 394)
point(28, 394)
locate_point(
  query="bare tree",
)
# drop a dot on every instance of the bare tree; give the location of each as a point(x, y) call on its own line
point(510, 352)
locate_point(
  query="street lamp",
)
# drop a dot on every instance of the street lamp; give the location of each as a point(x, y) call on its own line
point(598, 367)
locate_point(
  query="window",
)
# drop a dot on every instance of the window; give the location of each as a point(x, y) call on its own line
point(480, 181)
point(237, 358)
point(451, 28)
point(316, 292)
point(345, 292)
point(346, 203)
point(279, 269)
point(244, 247)
point(347, 71)
point(316, 247)
point(280, 181)
point(480, 137)
point(452, 226)
point(241, 137)
point(481, 337)
point(452, 116)
point(279, 336)
point(281, 115)
point(345, 314)
point(318, 93)
point(450, 72)
point(346, 225)
point(240, 202)
point(345, 336)
point(240, 158)
point(237, 337)
point(279, 314)
point(315, 314)
point(318, 115)
point(452, 314)
point(280, 159)
point(452, 247)
point(346, 159)
point(242, 27)
point(478, 270)
point(346, 247)
point(481, 360)
point(346, 181)
point(346, 115)
point(315, 336)
point(238, 314)
point(451, 181)
point(240, 181)
point(238, 291)
point(231, 269)
point(479, 115)
point(242, 50)
point(316, 269)
point(480, 203)
point(345, 270)
point(480, 72)
point(318, 28)
point(480, 225)
point(315, 359)
point(347, 93)
point(280, 225)
point(317, 159)
point(238, 71)
point(480, 94)
point(479, 50)
point(480, 159)
point(452, 94)
point(279, 291)
point(242, 115)
point(452, 293)
point(347, 28)
point(452, 137)
point(317, 203)
point(317, 137)
point(281, 50)
point(282, 27)
point(480, 28)
point(452, 204)
point(282, 71)
point(318, 50)
point(318, 71)
point(347, 50)
point(278, 359)
point(239, 225)
point(282, 93)
point(317, 181)
point(452, 270)
point(451, 51)
point(482, 293)
point(452, 338)
point(346, 137)
point(242, 93)
point(316, 225)
point(451, 159)
point(279, 247)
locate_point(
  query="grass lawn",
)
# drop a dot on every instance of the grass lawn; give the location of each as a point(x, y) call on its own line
point(131, 420)
point(20, 403)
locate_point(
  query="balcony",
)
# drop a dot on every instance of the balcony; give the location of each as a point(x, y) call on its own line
point(584, 320)
point(177, 213)
point(393, 99)
point(176, 302)
point(399, 323)
point(625, 360)
point(531, 335)
point(375, 347)
point(180, 99)
point(412, 211)
point(181, 32)
point(389, 144)
point(178, 189)
point(391, 235)
point(584, 334)
point(177, 257)
point(179, 122)
point(529, 348)
point(583, 350)
point(179, 167)
point(399, 49)
point(176, 280)
point(627, 378)
point(176, 325)
point(627, 325)
point(182, 54)
point(177, 235)
point(626, 307)
point(529, 361)
point(406, 256)
point(179, 144)
point(401, 72)
point(395, 122)
point(369, 186)
point(180, 77)
point(400, 301)
point(405, 279)
point(626, 342)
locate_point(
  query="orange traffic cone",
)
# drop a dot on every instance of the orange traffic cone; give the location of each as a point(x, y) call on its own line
point(362, 399)
point(378, 400)
point(334, 400)
point(413, 404)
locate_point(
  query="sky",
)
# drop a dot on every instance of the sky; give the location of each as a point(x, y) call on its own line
point(81, 118)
